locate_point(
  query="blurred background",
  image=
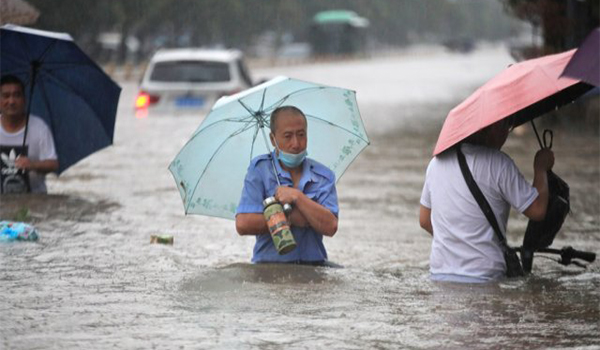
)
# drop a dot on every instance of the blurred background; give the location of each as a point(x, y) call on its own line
point(129, 32)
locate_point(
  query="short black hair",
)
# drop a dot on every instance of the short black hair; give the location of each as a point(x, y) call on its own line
point(279, 110)
point(12, 79)
point(481, 136)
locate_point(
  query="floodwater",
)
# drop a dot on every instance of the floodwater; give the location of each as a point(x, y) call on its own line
point(94, 281)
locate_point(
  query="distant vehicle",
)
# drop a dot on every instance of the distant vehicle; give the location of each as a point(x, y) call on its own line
point(460, 44)
point(337, 32)
point(190, 80)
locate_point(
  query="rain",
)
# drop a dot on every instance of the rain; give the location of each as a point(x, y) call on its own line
point(99, 277)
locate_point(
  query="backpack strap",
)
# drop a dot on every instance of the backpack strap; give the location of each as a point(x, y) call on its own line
point(479, 197)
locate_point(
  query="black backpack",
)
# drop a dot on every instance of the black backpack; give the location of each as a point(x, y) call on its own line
point(540, 234)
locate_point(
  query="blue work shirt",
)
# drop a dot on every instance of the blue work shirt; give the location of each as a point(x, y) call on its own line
point(317, 183)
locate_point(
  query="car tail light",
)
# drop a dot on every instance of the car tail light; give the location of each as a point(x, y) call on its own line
point(144, 100)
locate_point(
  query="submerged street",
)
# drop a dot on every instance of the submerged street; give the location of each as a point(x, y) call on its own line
point(94, 281)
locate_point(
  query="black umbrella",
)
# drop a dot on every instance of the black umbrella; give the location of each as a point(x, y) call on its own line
point(65, 88)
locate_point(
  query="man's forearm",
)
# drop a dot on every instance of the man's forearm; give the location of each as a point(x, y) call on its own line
point(45, 166)
point(40, 166)
point(319, 218)
point(425, 219)
point(540, 182)
point(251, 224)
point(297, 219)
point(544, 161)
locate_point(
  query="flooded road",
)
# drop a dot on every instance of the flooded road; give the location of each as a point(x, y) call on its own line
point(94, 281)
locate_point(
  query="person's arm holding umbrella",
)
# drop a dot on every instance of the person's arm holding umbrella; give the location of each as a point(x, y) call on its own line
point(544, 161)
point(17, 125)
point(495, 136)
point(46, 161)
point(41, 166)
point(307, 212)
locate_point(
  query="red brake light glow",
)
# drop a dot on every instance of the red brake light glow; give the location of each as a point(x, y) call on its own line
point(144, 100)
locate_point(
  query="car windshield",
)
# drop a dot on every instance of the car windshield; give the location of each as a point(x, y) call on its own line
point(191, 71)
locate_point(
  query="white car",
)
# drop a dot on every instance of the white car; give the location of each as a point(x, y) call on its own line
point(183, 81)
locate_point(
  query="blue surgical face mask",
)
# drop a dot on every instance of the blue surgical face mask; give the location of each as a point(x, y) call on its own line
point(290, 160)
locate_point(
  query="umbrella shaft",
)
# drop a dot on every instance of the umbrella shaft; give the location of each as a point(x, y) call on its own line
point(262, 129)
point(34, 71)
point(287, 208)
point(536, 134)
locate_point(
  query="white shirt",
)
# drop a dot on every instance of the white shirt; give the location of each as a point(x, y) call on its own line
point(40, 147)
point(464, 243)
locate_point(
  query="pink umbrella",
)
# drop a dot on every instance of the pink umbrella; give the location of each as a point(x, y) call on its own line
point(523, 91)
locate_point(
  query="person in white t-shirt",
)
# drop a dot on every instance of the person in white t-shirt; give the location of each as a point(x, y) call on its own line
point(41, 155)
point(465, 247)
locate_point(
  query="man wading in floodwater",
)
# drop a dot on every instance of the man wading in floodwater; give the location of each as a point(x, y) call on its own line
point(23, 168)
point(305, 184)
point(465, 247)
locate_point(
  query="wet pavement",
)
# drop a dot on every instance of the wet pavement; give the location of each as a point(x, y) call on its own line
point(94, 281)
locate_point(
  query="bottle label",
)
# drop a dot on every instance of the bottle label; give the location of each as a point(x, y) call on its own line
point(282, 236)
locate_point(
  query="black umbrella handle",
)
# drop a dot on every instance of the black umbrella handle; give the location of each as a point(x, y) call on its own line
point(548, 134)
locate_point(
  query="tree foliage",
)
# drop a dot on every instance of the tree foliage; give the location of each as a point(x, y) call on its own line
point(564, 24)
point(238, 23)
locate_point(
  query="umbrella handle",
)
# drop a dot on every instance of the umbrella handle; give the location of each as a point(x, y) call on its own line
point(548, 134)
point(287, 208)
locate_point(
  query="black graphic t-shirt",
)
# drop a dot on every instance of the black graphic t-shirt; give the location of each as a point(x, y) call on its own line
point(12, 179)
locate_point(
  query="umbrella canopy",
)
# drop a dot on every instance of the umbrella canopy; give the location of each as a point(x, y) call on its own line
point(64, 87)
point(585, 61)
point(210, 169)
point(523, 91)
point(17, 12)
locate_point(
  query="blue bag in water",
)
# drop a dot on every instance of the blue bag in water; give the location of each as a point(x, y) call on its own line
point(17, 231)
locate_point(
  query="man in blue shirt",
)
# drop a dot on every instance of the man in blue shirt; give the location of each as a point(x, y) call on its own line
point(305, 184)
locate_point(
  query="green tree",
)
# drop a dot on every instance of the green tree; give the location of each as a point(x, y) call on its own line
point(236, 23)
point(563, 23)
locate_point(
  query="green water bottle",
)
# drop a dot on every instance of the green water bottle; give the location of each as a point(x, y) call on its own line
point(278, 226)
point(161, 239)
